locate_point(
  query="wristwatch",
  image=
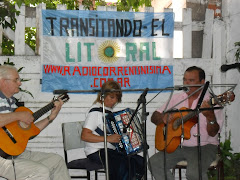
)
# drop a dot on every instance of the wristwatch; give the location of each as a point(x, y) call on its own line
point(211, 122)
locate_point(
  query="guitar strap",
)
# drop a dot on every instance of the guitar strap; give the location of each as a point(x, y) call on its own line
point(100, 109)
point(98, 130)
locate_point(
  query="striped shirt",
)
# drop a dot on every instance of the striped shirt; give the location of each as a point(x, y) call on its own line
point(7, 104)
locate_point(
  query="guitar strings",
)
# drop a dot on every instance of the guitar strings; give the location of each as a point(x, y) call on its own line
point(43, 110)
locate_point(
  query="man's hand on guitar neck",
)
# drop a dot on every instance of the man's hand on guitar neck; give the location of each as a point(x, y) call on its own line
point(209, 114)
point(57, 107)
point(45, 122)
point(158, 118)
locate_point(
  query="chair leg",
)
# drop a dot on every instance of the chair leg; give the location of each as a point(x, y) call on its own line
point(180, 173)
point(96, 175)
point(173, 172)
point(88, 175)
point(221, 171)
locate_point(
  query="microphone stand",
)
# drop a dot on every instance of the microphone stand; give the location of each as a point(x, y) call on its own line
point(142, 100)
point(197, 109)
point(144, 119)
point(105, 137)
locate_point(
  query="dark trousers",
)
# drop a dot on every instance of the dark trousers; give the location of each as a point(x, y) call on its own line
point(120, 166)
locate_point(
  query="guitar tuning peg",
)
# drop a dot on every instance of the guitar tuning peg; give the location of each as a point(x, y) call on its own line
point(53, 98)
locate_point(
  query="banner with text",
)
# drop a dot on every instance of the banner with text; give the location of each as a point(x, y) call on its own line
point(83, 49)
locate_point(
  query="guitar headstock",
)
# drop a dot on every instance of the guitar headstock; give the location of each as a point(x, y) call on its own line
point(223, 99)
point(64, 97)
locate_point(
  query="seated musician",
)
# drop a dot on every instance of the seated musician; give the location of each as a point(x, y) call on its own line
point(211, 122)
point(117, 162)
point(28, 165)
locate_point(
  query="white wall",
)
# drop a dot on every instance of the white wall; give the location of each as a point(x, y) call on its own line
point(231, 16)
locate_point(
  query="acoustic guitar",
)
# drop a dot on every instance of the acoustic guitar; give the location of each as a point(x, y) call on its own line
point(189, 119)
point(15, 136)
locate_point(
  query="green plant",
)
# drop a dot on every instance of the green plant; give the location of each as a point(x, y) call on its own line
point(30, 37)
point(7, 9)
point(8, 62)
point(7, 47)
point(237, 54)
point(7, 15)
point(231, 162)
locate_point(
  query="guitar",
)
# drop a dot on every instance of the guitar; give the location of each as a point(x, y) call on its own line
point(15, 136)
point(174, 128)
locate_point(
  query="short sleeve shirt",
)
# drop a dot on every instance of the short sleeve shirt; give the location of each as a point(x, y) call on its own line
point(7, 104)
point(93, 121)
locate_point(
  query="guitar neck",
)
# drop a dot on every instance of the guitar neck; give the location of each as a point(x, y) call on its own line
point(42, 111)
point(178, 122)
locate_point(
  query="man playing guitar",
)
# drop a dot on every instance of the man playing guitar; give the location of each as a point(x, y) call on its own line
point(27, 165)
point(211, 122)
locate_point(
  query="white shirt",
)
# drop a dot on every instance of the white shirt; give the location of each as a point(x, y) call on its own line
point(93, 121)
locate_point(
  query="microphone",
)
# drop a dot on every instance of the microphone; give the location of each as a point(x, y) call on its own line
point(182, 88)
point(226, 67)
point(60, 91)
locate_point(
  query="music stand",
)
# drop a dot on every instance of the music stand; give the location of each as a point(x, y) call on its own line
point(197, 109)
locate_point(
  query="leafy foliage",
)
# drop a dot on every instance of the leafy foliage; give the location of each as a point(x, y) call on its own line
point(7, 47)
point(7, 15)
point(123, 5)
point(30, 37)
point(237, 54)
point(7, 9)
point(137, 3)
point(231, 162)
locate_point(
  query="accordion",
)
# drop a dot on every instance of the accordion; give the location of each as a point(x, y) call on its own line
point(131, 141)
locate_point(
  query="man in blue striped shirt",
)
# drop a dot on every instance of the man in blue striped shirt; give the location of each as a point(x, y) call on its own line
point(28, 165)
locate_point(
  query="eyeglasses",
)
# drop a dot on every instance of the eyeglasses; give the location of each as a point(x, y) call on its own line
point(15, 80)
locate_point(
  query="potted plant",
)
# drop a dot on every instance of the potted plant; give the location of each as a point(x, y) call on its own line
point(231, 162)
